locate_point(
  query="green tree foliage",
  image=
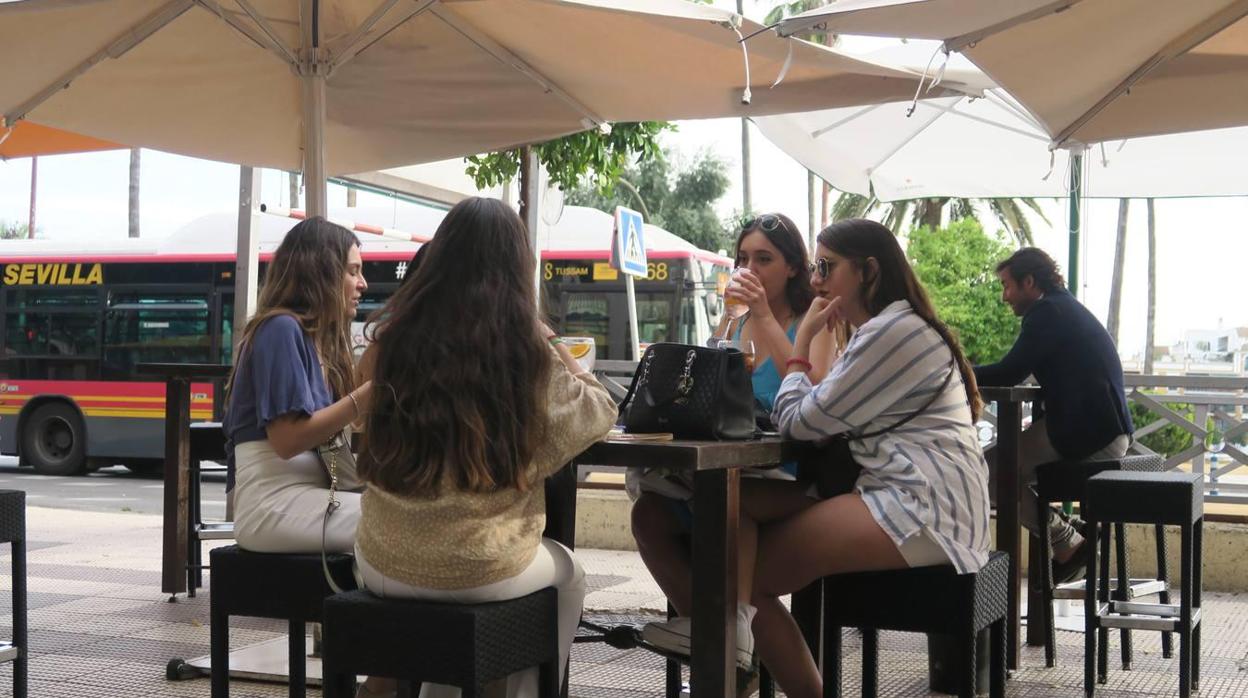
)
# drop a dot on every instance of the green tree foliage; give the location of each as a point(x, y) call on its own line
point(13, 231)
point(597, 155)
point(680, 201)
point(956, 266)
point(1168, 440)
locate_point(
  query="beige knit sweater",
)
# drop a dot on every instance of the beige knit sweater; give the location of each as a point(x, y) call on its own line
point(460, 539)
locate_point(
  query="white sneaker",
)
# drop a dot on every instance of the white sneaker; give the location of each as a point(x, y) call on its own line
point(673, 636)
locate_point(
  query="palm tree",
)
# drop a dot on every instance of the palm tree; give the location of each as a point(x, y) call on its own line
point(930, 212)
point(134, 192)
point(1115, 285)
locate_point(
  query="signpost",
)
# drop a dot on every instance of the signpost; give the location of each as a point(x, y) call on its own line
point(628, 254)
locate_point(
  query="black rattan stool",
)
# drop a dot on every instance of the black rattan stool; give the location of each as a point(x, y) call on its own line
point(268, 585)
point(207, 444)
point(13, 530)
point(465, 645)
point(1174, 499)
point(933, 600)
point(1064, 481)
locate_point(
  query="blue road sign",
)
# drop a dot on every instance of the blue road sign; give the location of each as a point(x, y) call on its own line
point(630, 242)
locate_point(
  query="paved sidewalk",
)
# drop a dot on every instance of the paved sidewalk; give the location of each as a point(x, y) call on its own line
point(101, 627)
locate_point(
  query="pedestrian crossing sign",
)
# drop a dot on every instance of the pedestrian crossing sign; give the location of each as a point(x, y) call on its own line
point(629, 253)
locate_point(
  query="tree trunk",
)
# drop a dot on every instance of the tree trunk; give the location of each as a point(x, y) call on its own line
point(1115, 286)
point(293, 178)
point(1150, 325)
point(811, 210)
point(34, 184)
point(134, 192)
point(524, 183)
point(930, 212)
point(825, 216)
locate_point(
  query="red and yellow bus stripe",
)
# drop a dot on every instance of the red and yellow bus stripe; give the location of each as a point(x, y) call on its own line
point(104, 398)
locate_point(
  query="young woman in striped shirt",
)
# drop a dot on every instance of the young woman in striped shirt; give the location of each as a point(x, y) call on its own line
point(922, 496)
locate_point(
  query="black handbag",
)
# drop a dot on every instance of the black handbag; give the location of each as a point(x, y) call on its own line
point(831, 468)
point(693, 392)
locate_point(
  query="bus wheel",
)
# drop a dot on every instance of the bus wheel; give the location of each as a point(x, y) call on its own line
point(54, 440)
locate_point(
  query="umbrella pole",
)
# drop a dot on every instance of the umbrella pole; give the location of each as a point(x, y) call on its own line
point(314, 144)
point(1076, 204)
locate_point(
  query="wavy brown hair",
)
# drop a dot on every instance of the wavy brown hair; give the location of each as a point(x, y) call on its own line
point(305, 280)
point(461, 366)
point(784, 237)
point(858, 240)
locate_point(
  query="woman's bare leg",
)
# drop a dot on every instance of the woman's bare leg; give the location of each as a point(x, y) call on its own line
point(762, 502)
point(661, 540)
point(834, 536)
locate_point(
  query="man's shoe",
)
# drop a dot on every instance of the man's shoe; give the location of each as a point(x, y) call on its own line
point(1071, 570)
point(673, 636)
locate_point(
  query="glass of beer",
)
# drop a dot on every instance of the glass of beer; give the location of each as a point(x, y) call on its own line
point(735, 307)
point(745, 346)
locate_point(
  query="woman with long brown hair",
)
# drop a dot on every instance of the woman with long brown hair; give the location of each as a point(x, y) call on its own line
point(476, 402)
point(764, 306)
point(905, 396)
point(292, 389)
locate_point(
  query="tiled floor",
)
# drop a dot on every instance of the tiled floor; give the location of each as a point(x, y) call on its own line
point(101, 627)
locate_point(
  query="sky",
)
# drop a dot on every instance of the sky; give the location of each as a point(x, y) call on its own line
point(1200, 246)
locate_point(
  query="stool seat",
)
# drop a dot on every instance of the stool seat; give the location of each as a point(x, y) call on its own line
point(1172, 498)
point(464, 645)
point(291, 587)
point(934, 600)
point(1065, 481)
point(1169, 498)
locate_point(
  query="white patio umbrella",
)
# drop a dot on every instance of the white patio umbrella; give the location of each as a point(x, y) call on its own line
point(336, 87)
point(982, 144)
point(1087, 70)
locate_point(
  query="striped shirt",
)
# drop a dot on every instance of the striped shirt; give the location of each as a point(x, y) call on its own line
point(930, 472)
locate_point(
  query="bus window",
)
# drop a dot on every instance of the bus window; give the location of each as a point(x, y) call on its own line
point(654, 317)
point(227, 330)
point(156, 327)
point(588, 315)
point(50, 322)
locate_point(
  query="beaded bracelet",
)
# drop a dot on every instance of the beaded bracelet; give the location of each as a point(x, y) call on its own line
point(798, 361)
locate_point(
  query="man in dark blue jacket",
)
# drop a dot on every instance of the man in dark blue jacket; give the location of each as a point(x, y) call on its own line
point(1072, 357)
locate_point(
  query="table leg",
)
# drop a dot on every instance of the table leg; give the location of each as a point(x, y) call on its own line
point(1009, 428)
point(561, 507)
point(177, 485)
point(713, 665)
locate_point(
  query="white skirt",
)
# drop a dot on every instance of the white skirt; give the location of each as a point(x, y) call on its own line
point(279, 504)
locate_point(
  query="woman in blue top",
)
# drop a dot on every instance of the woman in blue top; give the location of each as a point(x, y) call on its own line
point(772, 284)
point(292, 389)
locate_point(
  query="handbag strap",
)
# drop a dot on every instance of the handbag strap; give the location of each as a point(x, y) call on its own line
point(331, 464)
point(953, 366)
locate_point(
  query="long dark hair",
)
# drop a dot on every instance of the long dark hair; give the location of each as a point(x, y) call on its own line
point(461, 368)
point(784, 237)
point(857, 240)
point(305, 280)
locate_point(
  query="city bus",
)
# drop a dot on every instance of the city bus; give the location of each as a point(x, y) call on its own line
point(76, 318)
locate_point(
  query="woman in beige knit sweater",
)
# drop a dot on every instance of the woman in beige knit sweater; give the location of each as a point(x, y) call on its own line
point(475, 402)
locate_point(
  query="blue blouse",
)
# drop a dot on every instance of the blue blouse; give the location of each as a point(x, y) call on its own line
point(766, 378)
point(279, 373)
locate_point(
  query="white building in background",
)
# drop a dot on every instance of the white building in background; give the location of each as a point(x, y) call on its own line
point(1224, 348)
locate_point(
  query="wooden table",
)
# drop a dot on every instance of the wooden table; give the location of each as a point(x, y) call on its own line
point(1009, 495)
point(716, 466)
point(178, 378)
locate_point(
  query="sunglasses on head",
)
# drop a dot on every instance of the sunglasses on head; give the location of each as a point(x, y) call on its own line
point(767, 223)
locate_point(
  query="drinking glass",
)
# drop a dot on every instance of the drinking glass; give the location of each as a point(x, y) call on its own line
point(745, 346)
point(735, 307)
